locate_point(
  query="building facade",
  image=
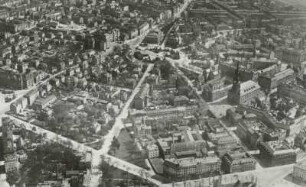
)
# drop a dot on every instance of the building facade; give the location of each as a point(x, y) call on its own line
point(141, 100)
point(271, 82)
point(299, 172)
point(293, 56)
point(237, 162)
point(215, 89)
point(152, 151)
point(295, 92)
point(184, 168)
point(300, 140)
point(274, 153)
point(12, 79)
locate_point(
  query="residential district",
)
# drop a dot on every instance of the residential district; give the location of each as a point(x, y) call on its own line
point(181, 93)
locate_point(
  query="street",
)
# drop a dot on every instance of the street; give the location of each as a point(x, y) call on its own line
point(96, 154)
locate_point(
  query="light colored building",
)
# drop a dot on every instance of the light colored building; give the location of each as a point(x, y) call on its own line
point(31, 96)
point(179, 168)
point(276, 153)
point(300, 139)
point(40, 104)
point(2, 99)
point(272, 81)
point(152, 151)
point(299, 172)
point(143, 130)
point(11, 162)
point(19, 105)
point(244, 93)
point(238, 162)
point(215, 89)
point(141, 99)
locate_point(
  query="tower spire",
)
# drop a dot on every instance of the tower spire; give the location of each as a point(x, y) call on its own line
point(237, 77)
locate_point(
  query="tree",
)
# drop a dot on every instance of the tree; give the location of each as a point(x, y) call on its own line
point(117, 49)
point(13, 177)
point(107, 173)
point(165, 69)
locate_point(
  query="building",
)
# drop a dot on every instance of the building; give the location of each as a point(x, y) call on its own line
point(13, 79)
point(180, 100)
point(31, 96)
point(16, 25)
point(215, 89)
point(9, 149)
point(190, 143)
point(295, 92)
point(2, 99)
point(210, 125)
point(276, 153)
point(243, 93)
point(11, 162)
point(3, 182)
point(152, 151)
point(188, 149)
point(143, 28)
point(153, 37)
point(272, 81)
point(8, 139)
point(299, 172)
point(182, 169)
point(182, 144)
point(42, 103)
point(252, 131)
point(143, 130)
point(300, 140)
point(164, 146)
point(237, 162)
point(215, 133)
point(225, 143)
point(132, 32)
point(64, 183)
point(173, 41)
point(141, 100)
point(168, 113)
point(19, 105)
point(245, 74)
point(295, 56)
point(233, 116)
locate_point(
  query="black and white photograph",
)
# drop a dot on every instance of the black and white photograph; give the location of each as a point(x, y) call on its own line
point(152, 93)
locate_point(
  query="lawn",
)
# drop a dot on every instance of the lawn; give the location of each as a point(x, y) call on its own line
point(128, 150)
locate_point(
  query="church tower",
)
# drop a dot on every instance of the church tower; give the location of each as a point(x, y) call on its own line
point(234, 93)
point(236, 79)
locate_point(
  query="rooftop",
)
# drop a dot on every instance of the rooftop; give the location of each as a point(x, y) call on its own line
point(248, 87)
point(278, 147)
point(281, 74)
point(190, 161)
point(255, 125)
